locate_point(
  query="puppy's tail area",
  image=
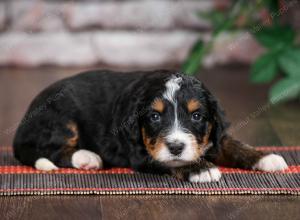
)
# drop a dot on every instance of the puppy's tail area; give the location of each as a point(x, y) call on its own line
point(235, 154)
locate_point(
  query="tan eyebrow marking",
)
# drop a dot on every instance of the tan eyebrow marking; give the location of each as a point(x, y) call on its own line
point(158, 105)
point(193, 105)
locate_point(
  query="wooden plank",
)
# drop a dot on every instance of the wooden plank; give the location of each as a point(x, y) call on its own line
point(150, 207)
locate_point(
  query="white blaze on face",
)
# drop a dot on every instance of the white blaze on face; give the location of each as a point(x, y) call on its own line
point(172, 86)
point(176, 133)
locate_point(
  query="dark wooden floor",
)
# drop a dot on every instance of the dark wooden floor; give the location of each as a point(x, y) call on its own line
point(253, 121)
point(150, 207)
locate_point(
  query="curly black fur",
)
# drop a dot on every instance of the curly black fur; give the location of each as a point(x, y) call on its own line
point(108, 110)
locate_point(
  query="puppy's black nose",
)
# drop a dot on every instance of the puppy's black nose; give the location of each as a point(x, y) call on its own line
point(175, 148)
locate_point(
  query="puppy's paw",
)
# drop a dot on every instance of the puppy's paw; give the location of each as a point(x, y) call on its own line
point(84, 159)
point(207, 175)
point(44, 164)
point(271, 163)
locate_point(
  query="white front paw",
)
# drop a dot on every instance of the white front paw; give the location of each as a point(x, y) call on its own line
point(45, 164)
point(271, 163)
point(84, 159)
point(210, 175)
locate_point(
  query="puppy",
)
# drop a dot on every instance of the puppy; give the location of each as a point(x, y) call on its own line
point(157, 122)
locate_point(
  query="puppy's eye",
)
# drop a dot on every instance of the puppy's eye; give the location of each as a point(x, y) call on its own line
point(196, 116)
point(155, 117)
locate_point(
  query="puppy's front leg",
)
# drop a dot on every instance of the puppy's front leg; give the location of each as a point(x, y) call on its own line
point(235, 154)
point(200, 172)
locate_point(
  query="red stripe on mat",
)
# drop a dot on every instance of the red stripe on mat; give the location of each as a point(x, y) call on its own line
point(148, 189)
point(30, 170)
point(291, 169)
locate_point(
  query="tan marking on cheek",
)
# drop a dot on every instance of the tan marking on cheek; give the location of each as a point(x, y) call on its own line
point(153, 149)
point(193, 105)
point(200, 147)
point(207, 135)
point(205, 139)
point(158, 105)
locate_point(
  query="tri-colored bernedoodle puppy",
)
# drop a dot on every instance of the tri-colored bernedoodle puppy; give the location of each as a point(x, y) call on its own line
point(159, 122)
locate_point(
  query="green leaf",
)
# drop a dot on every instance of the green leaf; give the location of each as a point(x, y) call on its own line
point(194, 60)
point(264, 69)
point(289, 62)
point(285, 90)
point(276, 37)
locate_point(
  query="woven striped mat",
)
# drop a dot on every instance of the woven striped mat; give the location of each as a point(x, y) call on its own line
point(16, 179)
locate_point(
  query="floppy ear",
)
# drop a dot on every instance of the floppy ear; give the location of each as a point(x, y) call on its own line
point(217, 118)
point(128, 108)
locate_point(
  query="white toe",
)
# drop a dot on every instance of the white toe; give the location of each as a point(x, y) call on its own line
point(210, 175)
point(271, 162)
point(84, 159)
point(44, 164)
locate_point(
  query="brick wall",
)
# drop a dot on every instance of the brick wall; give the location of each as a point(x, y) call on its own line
point(140, 33)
